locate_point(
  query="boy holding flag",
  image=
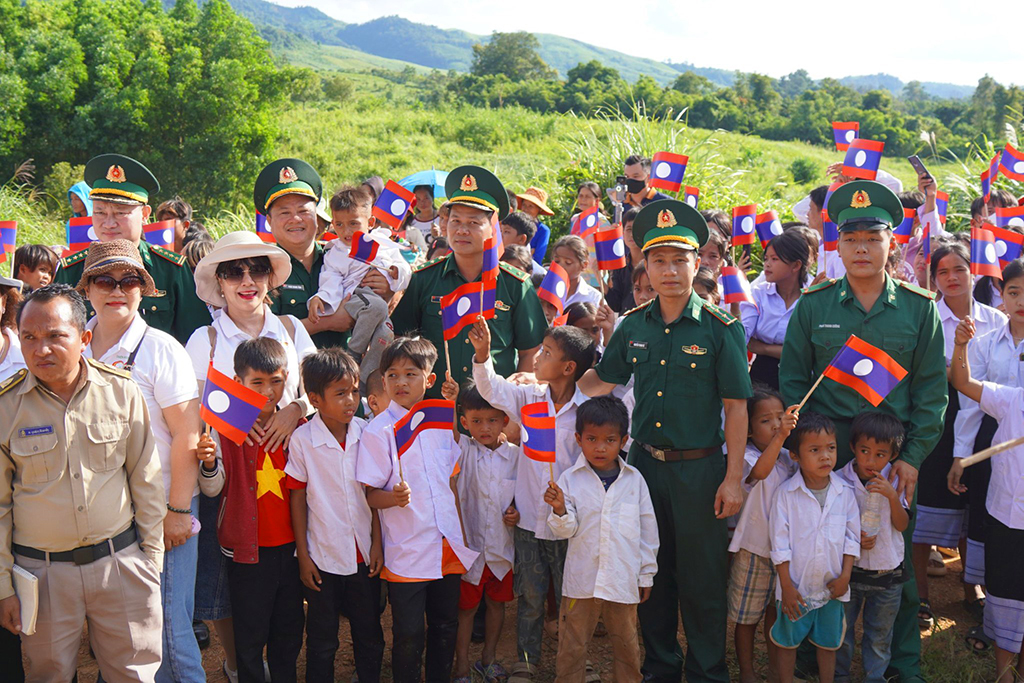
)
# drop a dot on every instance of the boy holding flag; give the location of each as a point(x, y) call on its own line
point(896, 317)
point(680, 348)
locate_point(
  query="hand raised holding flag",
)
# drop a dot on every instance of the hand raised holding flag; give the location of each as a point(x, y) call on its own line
point(402, 494)
point(555, 497)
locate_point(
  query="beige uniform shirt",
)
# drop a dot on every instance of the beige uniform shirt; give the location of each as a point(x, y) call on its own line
point(76, 474)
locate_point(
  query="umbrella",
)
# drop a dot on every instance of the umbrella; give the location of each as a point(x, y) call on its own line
point(431, 178)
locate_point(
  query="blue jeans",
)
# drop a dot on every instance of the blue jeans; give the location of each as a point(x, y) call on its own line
point(880, 608)
point(182, 661)
point(538, 562)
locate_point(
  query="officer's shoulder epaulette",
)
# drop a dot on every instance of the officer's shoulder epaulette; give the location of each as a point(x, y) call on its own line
point(920, 291)
point(13, 381)
point(108, 368)
point(824, 284)
point(720, 313)
point(637, 308)
point(513, 271)
point(430, 264)
point(74, 258)
point(175, 258)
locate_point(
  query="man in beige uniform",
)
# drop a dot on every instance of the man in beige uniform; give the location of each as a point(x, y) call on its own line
point(81, 500)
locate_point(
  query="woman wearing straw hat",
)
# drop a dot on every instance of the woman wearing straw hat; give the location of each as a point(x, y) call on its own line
point(534, 202)
point(114, 280)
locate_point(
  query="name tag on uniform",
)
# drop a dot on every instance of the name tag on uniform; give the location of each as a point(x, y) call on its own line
point(638, 345)
point(288, 286)
point(435, 299)
point(35, 431)
point(828, 326)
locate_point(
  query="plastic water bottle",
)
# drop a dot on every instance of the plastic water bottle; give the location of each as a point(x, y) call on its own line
point(871, 516)
point(819, 599)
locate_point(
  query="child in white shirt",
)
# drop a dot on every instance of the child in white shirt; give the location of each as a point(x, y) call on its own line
point(815, 534)
point(876, 583)
point(342, 276)
point(766, 465)
point(603, 506)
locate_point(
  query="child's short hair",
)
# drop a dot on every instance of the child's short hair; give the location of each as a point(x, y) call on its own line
point(418, 350)
point(522, 223)
point(629, 215)
point(32, 256)
point(578, 310)
point(195, 249)
point(518, 255)
point(176, 207)
point(882, 427)
point(912, 199)
point(375, 382)
point(327, 366)
point(761, 392)
point(350, 198)
point(809, 423)
point(439, 247)
point(601, 411)
point(719, 220)
point(576, 345)
point(706, 279)
point(576, 245)
point(470, 398)
point(1002, 198)
point(977, 207)
point(638, 270)
point(818, 196)
point(536, 280)
point(261, 354)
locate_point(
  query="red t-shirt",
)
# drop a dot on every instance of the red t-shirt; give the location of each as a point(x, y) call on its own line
point(273, 514)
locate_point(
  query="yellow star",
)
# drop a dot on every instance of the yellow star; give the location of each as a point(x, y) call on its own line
point(268, 479)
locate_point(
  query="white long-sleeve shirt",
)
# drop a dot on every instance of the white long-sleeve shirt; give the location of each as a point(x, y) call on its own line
point(768, 317)
point(1005, 500)
point(812, 539)
point(487, 485)
point(752, 527)
point(995, 358)
point(341, 274)
point(613, 534)
point(889, 546)
point(532, 476)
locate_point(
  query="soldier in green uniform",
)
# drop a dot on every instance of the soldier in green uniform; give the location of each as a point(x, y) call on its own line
point(120, 193)
point(897, 317)
point(517, 329)
point(287, 192)
point(682, 351)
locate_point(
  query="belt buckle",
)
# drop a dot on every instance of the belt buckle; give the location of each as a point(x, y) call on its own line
point(82, 556)
point(658, 454)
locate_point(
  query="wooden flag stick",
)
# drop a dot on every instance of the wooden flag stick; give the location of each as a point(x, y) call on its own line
point(447, 358)
point(990, 451)
point(811, 391)
point(551, 472)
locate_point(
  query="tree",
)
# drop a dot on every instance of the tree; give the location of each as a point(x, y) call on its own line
point(879, 100)
point(513, 55)
point(690, 83)
point(795, 84)
point(338, 88)
point(914, 92)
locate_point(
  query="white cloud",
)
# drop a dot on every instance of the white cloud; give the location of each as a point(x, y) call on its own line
point(945, 41)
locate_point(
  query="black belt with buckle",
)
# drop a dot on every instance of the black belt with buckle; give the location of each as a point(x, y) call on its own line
point(668, 455)
point(84, 555)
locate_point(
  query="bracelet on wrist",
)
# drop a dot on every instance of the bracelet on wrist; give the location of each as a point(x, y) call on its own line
point(180, 511)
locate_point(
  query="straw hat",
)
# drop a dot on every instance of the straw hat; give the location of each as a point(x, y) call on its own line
point(537, 196)
point(104, 257)
point(232, 247)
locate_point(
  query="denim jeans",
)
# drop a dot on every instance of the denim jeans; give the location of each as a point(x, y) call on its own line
point(537, 562)
point(182, 662)
point(880, 608)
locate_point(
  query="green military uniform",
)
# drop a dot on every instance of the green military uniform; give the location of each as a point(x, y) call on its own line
point(291, 297)
point(175, 309)
point(682, 370)
point(518, 322)
point(904, 323)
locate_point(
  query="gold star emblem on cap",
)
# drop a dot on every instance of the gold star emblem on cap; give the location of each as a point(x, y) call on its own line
point(288, 175)
point(468, 184)
point(666, 219)
point(860, 200)
point(115, 174)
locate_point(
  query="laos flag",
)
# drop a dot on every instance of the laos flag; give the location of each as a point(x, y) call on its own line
point(538, 433)
point(868, 370)
point(392, 204)
point(768, 226)
point(363, 247)
point(984, 257)
point(160, 234)
point(993, 172)
point(586, 223)
point(610, 249)
point(1010, 216)
point(743, 222)
point(986, 185)
point(863, 158)
point(905, 230)
point(433, 413)
point(1011, 163)
point(8, 239)
point(926, 243)
point(1009, 244)
point(942, 206)
point(493, 249)
point(667, 171)
point(555, 287)
point(845, 132)
point(80, 233)
point(229, 407)
point(463, 306)
point(263, 230)
point(560, 320)
point(691, 195)
point(830, 232)
point(735, 287)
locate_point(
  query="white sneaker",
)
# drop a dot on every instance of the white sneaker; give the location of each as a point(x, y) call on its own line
point(231, 674)
point(266, 672)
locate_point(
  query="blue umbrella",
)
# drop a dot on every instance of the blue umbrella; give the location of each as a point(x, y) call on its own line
point(431, 178)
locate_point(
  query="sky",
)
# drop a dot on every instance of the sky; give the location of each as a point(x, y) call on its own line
point(942, 40)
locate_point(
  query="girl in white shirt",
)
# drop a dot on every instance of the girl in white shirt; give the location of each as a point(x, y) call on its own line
point(10, 346)
point(572, 254)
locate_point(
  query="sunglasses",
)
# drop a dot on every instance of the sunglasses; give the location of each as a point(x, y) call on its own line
point(235, 274)
point(107, 284)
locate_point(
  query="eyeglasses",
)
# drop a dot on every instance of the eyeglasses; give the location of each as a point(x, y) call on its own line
point(235, 274)
point(107, 284)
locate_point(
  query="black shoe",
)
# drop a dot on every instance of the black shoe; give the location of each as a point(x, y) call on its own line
point(202, 632)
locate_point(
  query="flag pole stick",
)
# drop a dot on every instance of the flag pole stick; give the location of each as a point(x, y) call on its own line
point(551, 472)
point(447, 358)
point(810, 391)
point(990, 451)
